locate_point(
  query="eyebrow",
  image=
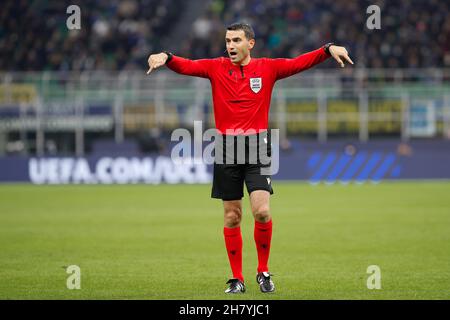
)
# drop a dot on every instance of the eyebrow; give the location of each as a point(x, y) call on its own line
point(234, 39)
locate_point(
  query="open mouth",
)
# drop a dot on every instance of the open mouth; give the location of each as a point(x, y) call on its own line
point(233, 54)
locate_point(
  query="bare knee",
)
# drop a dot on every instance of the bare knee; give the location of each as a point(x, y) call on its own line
point(233, 217)
point(262, 214)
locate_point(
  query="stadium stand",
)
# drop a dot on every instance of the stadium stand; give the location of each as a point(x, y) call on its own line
point(119, 35)
point(114, 35)
point(81, 91)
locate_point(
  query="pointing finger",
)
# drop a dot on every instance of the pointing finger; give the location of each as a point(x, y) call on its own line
point(339, 61)
point(348, 59)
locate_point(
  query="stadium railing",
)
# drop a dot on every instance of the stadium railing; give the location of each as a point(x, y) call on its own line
point(358, 103)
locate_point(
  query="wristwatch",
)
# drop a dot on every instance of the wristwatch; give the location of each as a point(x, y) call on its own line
point(169, 55)
point(327, 46)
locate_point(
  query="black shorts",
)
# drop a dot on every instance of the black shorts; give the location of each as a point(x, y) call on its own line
point(229, 178)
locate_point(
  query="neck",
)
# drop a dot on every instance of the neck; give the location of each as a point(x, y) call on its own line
point(244, 62)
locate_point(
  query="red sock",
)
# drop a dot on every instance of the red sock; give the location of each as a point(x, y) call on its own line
point(263, 236)
point(233, 243)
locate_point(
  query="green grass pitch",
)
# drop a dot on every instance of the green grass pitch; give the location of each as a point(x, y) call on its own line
point(166, 242)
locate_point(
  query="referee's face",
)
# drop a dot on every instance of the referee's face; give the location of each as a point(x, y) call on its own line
point(238, 46)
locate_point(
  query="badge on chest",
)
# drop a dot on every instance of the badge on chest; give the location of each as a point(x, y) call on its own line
point(256, 84)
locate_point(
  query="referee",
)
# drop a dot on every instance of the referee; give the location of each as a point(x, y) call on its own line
point(242, 89)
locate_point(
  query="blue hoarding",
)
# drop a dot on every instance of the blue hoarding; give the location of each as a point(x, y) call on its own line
point(332, 162)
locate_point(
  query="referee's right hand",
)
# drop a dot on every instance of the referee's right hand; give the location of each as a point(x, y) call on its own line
point(156, 60)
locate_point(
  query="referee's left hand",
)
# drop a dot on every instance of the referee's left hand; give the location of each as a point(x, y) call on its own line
point(339, 54)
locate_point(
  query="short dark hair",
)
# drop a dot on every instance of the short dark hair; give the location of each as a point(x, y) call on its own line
point(248, 30)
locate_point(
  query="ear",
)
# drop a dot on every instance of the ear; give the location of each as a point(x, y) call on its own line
point(251, 43)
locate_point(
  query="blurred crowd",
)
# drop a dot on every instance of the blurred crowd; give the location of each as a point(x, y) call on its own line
point(118, 35)
point(114, 34)
point(414, 33)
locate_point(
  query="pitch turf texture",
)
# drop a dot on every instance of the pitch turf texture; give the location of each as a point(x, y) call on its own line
point(166, 242)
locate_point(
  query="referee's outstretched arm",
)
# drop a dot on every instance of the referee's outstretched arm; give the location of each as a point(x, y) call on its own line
point(287, 67)
point(197, 68)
